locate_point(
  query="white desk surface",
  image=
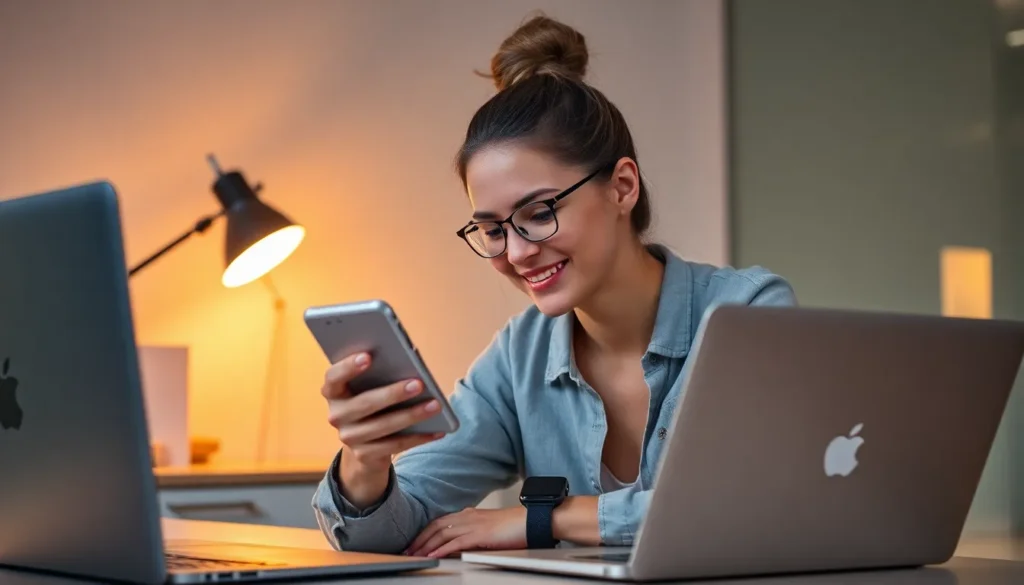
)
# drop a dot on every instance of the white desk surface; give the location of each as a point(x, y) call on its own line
point(982, 561)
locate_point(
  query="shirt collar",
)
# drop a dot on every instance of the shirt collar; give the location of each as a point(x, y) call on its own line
point(671, 337)
point(672, 325)
point(560, 348)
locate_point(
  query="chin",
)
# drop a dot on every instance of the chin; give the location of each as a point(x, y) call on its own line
point(553, 305)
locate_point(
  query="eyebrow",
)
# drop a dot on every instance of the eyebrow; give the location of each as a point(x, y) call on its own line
point(519, 203)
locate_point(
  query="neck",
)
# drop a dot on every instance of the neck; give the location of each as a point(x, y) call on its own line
point(620, 317)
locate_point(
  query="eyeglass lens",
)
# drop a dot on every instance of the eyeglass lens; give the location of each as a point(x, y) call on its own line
point(533, 222)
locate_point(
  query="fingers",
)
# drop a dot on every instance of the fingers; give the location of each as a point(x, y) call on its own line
point(464, 542)
point(371, 429)
point(429, 531)
point(338, 375)
point(439, 538)
point(353, 409)
point(369, 436)
point(373, 401)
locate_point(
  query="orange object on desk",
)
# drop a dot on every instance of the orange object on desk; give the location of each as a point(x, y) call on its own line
point(201, 448)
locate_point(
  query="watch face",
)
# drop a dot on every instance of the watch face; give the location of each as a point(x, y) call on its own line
point(543, 488)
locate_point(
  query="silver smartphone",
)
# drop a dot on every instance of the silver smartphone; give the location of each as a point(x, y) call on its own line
point(373, 327)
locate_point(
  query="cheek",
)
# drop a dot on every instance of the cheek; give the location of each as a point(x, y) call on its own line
point(502, 265)
point(582, 231)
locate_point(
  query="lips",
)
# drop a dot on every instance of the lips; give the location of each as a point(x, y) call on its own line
point(542, 277)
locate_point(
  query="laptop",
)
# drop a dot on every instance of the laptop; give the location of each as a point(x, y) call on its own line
point(78, 494)
point(814, 440)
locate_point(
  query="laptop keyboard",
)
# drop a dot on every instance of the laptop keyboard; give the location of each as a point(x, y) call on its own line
point(181, 562)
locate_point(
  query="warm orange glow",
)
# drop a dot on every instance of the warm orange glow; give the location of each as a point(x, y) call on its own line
point(261, 257)
point(967, 282)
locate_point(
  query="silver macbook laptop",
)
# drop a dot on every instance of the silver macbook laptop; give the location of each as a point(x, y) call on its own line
point(78, 494)
point(815, 440)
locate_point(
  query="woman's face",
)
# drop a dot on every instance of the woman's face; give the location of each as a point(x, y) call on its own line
point(564, 270)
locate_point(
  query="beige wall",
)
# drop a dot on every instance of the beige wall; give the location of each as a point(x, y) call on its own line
point(350, 113)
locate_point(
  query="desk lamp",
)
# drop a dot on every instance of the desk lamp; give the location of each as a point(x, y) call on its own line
point(258, 236)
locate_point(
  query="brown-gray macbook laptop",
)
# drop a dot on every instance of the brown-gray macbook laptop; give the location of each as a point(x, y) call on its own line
point(78, 494)
point(815, 440)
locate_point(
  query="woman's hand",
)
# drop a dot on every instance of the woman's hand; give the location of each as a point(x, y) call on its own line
point(369, 438)
point(472, 529)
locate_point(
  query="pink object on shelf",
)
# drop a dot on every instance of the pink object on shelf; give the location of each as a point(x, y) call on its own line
point(165, 387)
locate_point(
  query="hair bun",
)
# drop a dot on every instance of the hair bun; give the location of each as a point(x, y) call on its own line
point(540, 46)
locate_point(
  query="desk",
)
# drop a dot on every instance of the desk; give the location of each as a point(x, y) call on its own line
point(983, 561)
point(990, 547)
point(993, 569)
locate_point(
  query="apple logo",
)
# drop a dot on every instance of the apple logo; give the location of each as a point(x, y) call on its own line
point(10, 412)
point(841, 454)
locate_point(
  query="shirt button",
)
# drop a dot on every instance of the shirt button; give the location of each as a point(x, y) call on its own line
point(662, 433)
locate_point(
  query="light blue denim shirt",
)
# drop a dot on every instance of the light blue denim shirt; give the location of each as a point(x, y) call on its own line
point(525, 410)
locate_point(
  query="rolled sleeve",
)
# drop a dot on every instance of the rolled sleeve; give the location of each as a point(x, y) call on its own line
point(377, 528)
point(619, 515)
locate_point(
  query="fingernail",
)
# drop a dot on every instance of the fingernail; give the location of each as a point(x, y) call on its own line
point(361, 359)
point(412, 387)
point(432, 406)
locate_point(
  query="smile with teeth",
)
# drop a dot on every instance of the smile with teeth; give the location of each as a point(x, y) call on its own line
point(538, 278)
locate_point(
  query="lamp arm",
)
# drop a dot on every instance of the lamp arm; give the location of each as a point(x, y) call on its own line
point(201, 226)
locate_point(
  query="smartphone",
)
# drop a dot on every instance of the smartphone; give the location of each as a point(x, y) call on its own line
point(373, 327)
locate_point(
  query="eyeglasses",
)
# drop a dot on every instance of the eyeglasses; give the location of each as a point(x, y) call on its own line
point(535, 222)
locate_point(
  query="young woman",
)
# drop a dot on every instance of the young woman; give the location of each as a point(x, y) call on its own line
point(580, 386)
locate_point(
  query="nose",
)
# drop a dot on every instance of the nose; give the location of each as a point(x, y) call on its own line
point(519, 249)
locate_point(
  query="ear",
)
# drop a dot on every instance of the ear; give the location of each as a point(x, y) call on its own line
point(625, 184)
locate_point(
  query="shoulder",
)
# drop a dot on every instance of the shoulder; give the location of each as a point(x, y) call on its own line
point(754, 285)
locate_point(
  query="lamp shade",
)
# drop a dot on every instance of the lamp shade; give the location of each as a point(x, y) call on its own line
point(258, 236)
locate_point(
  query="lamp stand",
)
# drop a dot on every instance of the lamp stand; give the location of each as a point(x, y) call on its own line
point(275, 375)
point(201, 226)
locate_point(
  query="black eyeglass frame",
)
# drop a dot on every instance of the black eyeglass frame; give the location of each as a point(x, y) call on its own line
point(550, 203)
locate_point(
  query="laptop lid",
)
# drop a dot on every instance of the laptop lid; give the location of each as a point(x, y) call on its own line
point(78, 494)
point(814, 439)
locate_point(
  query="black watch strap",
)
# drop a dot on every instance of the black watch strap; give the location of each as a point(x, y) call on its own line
point(538, 526)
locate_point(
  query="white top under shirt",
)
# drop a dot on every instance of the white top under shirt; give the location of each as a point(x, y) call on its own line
point(610, 483)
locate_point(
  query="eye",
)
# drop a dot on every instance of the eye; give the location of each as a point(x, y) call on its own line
point(543, 215)
point(536, 214)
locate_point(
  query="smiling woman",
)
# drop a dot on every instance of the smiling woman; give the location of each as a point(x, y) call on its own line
point(575, 392)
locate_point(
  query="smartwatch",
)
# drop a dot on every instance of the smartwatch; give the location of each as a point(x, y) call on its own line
point(541, 495)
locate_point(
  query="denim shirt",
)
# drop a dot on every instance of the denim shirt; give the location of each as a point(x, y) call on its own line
point(525, 410)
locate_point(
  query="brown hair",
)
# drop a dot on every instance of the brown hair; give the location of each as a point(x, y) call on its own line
point(542, 101)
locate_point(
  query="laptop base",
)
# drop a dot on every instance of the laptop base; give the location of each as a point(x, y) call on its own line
point(610, 563)
point(195, 561)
